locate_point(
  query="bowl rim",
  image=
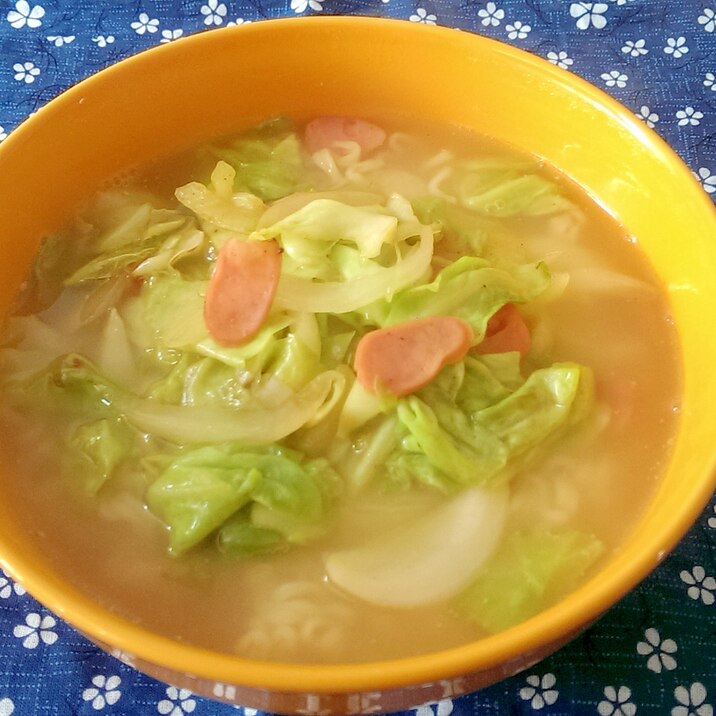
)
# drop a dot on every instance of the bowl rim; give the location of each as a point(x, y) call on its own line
point(572, 613)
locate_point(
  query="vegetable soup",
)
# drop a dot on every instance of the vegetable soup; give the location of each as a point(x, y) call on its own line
point(347, 393)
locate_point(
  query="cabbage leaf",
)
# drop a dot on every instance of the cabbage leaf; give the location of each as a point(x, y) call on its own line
point(469, 442)
point(504, 187)
point(239, 537)
point(529, 572)
point(218, 206)
point(202, 488)
point(164, 238)
point(97, 449)
point(268, 163)
point(470, 289)
point(327, 220)
point(302, 294)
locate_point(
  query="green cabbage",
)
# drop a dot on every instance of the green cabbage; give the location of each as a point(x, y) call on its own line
point(203, 381)
point(470, 289)
point(503, 188)
point(470, 442)
point(217, 206)
point(173, 310)
point(302, 294)
point(202, 488)
point(158, 238)
point(97, 449)
point(464, 453)
point(90, 428)
point(529, 572)
point(68, 386)
point(330, 221)
point(58, 256)
point(268, 161)
point(239, 537)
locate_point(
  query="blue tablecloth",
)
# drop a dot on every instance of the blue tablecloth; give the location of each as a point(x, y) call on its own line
point(654, 653)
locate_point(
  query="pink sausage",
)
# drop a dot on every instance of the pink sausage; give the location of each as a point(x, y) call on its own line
point(403, 358)
point(241, 290)
point(506, 332)
point(322, 132)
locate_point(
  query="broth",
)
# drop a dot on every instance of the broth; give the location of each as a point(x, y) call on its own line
point(603, 309)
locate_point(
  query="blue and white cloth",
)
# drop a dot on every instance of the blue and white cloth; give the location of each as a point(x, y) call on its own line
point(654, 653)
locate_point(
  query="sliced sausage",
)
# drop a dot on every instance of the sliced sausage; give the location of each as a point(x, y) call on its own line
point(403, 358)
point(506, 332)
point(323, 132)
point(241, 290)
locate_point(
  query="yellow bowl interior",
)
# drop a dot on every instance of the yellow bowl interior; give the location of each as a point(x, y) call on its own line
point(174, 96)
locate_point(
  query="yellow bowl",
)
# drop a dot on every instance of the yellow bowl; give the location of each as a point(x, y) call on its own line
point(168, 98)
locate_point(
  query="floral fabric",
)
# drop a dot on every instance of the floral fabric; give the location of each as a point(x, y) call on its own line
point(654, 653)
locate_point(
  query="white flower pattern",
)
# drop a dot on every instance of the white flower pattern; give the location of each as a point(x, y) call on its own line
point(686, 116)
point(103, 40)
point(25, 16)
point(214, 12)
point(25, 72)
point(491, 15)
point(561, 59)
point(436, 708)
point(7, 707)
point(7, 586)
point(422, 15)
point(616, 702)
point(712, 520)
point(539, 691)
point(518, 30)
point(615, 78)
point(60, 40)
point(170, 35)
point(708, 181)
point(701, 587)
point(635, 48)
point(299, 6)
point(177, 703)
point(676, 47)
point(650, 118)
point(692, 701)
point(103, 692)
point(589, 14)
point(659, 651)
point(4, 589)
point(708, 19)
point(144, 23)
point(36, 629)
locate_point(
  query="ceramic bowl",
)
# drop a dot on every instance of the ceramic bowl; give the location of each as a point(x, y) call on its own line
point(174, 96)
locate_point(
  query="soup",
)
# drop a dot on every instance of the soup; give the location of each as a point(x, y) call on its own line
point(345, 394)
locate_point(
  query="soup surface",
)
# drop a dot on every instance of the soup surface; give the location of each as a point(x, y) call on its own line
point(345, 394)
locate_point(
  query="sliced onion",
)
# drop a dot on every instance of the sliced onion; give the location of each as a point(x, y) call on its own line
point(427, 561)
point(250, 425)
